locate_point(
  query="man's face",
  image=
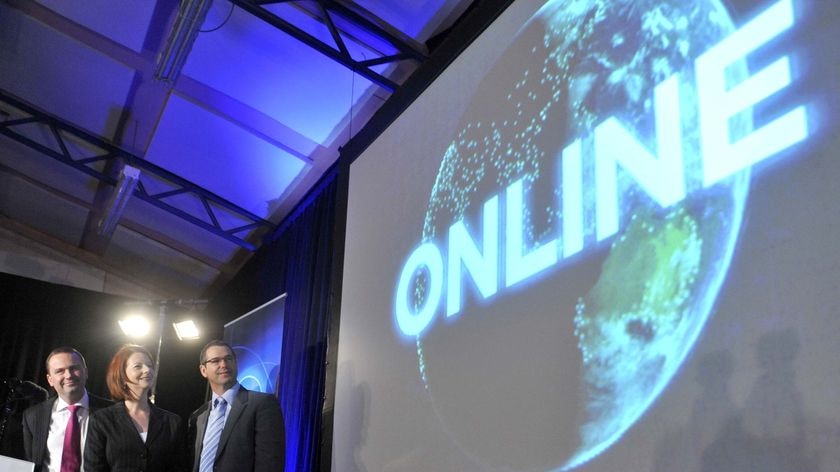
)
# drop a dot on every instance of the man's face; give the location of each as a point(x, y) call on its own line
point(67, 375)
point(219, 368)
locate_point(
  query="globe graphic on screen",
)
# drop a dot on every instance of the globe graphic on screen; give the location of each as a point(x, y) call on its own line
point(573, 65)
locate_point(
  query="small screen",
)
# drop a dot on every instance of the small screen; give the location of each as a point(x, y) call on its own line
point(257, 341)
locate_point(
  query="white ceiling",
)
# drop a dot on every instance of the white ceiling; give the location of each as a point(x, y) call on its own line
point(254, 119)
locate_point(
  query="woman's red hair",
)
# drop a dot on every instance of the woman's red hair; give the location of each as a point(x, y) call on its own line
point(115, 377)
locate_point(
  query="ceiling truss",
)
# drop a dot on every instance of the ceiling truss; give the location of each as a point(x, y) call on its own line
point(328, 11)
point(26, 116)
point(106, 163)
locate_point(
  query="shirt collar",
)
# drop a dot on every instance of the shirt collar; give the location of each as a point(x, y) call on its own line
point(60, 404)
point(229, 395)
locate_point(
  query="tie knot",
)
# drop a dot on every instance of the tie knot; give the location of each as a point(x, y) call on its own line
point(72, 409)
point(219, 403)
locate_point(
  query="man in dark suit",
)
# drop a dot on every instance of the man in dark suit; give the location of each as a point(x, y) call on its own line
point(44, 424)
point(238, 430)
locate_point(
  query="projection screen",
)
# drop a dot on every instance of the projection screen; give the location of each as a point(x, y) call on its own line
point(604, 239)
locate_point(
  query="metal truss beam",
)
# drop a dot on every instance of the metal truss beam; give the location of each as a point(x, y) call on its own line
point(339, 52)
point(59, 129)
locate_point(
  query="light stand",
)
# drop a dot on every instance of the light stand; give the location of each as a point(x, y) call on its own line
point(161, 321)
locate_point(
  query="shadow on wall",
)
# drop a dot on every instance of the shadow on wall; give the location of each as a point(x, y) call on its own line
point(771, 432)
point(359, 409)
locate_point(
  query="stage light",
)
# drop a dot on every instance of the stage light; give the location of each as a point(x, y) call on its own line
point(118, 200)
point(186, 330)
point(135, 326)
point(191, 15)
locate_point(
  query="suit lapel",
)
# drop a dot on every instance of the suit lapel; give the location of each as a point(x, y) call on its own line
point(128, 423)
point(155, 425)
point(200, 426)
point(42, 429)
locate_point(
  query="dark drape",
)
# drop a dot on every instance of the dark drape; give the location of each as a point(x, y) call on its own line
point(302, 367)
point(36, 317)
point(298, 261)
point(39, 316)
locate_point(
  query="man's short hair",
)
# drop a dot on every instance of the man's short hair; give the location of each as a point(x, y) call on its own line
point(202, 358)
point(64, 350)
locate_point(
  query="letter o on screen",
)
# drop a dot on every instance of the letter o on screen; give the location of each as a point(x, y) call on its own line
point(426, 255)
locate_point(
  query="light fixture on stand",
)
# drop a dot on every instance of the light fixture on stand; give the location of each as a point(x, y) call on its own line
point(186, 330)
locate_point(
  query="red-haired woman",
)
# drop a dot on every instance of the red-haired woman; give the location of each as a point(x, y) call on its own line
point(134, 434)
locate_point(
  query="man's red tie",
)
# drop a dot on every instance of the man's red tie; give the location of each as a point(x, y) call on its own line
point(71, 458)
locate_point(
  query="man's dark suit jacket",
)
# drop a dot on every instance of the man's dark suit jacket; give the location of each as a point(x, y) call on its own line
point(113, 443)
point(36, 427)
point(254, 437)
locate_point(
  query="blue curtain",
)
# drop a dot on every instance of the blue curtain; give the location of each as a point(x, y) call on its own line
point(306, 251)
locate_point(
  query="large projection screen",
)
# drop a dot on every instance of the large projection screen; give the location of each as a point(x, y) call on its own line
point(604, 239)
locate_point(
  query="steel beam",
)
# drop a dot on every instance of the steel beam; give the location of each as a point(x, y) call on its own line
point(339, 52)
point(210, 202)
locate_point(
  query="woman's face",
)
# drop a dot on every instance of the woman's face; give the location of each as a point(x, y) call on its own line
point(140, 372)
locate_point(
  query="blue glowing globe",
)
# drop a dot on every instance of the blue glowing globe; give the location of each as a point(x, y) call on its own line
point(631, 320)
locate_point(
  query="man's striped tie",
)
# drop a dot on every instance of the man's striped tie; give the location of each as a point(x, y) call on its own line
point(211, 436)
